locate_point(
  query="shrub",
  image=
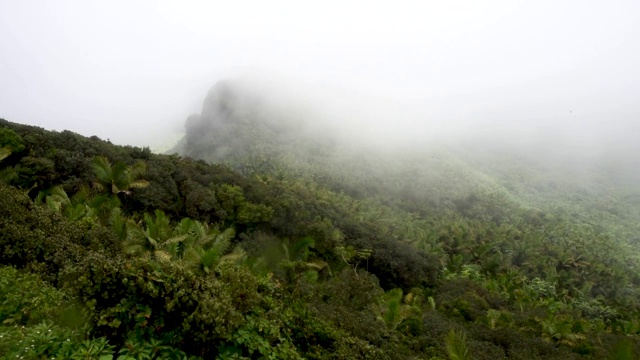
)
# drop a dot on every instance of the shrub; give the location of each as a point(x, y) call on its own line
point(25, 299)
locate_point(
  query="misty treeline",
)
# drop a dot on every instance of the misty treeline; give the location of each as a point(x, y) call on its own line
point(296, 239)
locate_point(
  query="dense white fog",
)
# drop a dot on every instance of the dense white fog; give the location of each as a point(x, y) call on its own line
point(537, 75)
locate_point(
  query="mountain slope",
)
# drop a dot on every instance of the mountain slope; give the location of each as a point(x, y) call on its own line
point(309, 242)
point(257, 133)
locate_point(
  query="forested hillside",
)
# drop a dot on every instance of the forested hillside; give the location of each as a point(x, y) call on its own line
point(273, 237)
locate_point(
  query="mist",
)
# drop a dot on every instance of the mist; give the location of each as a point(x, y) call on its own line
point(554, 81)
point(574, 144)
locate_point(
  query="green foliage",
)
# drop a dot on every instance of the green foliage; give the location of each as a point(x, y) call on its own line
point(25, 299)
point(37, 321)
point(118, 178)
point(623, 351)
point(298, 250)
point(93, 349)
point(560, 329)
point(262, 338)
point(393, 313)
point(233, 207)
point(42, 239)
point(11, 141)
point(300, 259)
point(55, 197)
point(136, 349)
point(498, 319)
point(353, 257)
point(456, 343)
point(153, 236)
point(33, 172)
point(4, 153)
point(42, 340)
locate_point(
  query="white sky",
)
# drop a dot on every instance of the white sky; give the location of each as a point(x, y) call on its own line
point(132, 71)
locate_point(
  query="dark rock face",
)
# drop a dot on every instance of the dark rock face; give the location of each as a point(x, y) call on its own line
point(244, 116)
point(225, 127)
point(217, 109)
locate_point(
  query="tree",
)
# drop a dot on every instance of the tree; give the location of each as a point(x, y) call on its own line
point(118, 178)
point(206, 245)
point(152, 236)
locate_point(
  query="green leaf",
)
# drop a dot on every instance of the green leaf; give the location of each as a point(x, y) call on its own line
point(125, 357)
point(4, 153)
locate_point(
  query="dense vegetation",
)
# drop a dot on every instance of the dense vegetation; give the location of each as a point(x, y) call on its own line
point(302, 248)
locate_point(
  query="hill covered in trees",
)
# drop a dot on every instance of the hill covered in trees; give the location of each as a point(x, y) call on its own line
point(277, 234)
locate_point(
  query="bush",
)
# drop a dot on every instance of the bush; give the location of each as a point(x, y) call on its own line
point(38, 238)
point(140, 295)
point(11, 140)
point(25, 299)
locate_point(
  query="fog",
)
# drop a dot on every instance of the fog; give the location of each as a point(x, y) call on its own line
point(560, 78)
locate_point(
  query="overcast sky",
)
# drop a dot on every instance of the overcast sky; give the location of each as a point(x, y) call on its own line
point(132, 71)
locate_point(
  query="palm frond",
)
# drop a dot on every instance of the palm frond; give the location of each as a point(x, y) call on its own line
point(81, 196)
point(192, 255)
point(162, 255)
point(59, 192)
point(102, 169)
point(57, 199)
point(175, 240)
point(184, 226)
point(134, 249)
point(139, 184)
point(118, 177)
point(299, 249)
point(4, 153)
point(221, 246)
point(316, 265)
point(238, 254)
point(138, 169)
point(119, 223)
point(208, 259)
point(226, 235)
point(175, 245)
point(200, 230)
point(456, 343)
